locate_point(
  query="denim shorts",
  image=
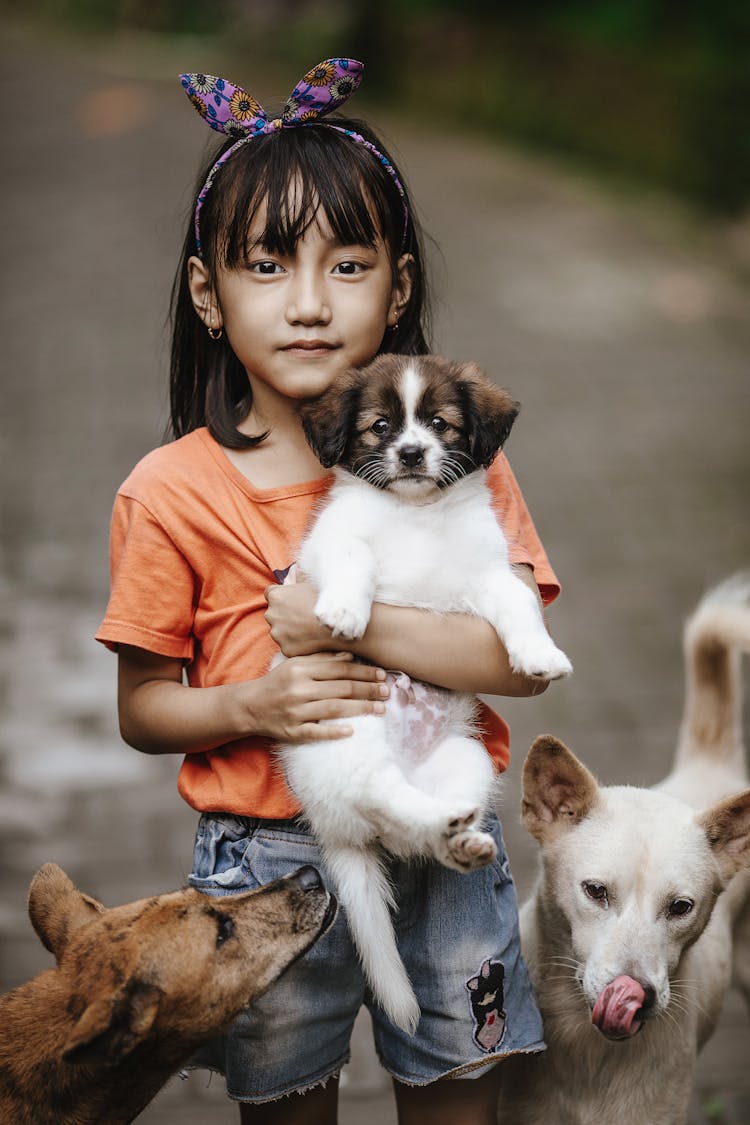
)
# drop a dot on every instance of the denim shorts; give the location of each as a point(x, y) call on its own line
point(457, 935)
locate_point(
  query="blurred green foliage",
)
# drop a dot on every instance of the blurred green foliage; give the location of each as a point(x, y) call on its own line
point(656, 91)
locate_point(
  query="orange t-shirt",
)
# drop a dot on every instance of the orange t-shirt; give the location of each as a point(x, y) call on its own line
point(193, 546)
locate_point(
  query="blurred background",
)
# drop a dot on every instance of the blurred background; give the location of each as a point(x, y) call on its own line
point(583, 171)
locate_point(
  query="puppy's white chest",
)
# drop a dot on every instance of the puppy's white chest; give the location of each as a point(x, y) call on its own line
point(421, 561)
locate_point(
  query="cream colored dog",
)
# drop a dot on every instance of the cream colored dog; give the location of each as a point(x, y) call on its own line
point(629, 935)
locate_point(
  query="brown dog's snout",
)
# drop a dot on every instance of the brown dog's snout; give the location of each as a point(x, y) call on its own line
point(307, 878)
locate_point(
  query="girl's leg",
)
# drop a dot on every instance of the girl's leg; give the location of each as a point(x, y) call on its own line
point(318, 1106)
point(448, 1101)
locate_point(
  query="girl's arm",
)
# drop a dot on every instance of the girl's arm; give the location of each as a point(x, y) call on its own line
point(159, 714)
point(456, 651)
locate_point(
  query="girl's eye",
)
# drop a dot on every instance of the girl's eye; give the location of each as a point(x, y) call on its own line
point(680, 907)
point(439, 425)
point(265, 269)
point(597, 892)
point(380, 427)
point(348, 269)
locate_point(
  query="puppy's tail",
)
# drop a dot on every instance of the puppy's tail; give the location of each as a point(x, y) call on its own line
point(716, 635)
point(364, 892)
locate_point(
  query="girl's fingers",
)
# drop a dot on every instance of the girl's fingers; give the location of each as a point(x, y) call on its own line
point(321, 732)
point(349, 689)
point(320, 710)
point(326, 666)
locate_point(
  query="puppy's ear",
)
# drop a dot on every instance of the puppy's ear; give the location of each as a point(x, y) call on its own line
point(57, 909)
point(727, 827)
point(489, 411)
point(328, 420)
point(558, 790)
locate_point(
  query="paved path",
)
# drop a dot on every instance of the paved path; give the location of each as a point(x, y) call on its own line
point(618, 323)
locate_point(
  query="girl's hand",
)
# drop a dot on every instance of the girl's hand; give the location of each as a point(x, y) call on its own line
point(293, 701)
point(294, 626)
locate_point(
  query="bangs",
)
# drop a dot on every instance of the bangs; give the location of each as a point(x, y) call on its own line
point(292, 176)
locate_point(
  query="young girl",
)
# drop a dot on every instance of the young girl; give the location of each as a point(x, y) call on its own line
point(303, 259)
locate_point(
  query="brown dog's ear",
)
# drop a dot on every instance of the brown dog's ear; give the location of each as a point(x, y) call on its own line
point(558, 790)
point(489, 411)
point(727, 826)
point(327, 420)
point(57, 909)
point(111, 1027)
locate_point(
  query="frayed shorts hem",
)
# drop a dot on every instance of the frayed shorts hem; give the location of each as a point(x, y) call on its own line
point(306, 1084)
point(466, 1071)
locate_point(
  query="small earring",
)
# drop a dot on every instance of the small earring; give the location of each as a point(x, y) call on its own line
point(394, 327)
point(216, 333)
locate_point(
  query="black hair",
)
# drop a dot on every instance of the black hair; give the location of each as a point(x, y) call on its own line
point(208, 384)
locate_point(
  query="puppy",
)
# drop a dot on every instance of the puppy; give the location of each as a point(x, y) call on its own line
point(137, 989)
point(629, 933)
point(409, 521)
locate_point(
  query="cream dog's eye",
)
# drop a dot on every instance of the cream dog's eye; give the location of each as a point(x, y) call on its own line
point(597, 892)
point(439, 425)
point(680, 907)
point(380, 427)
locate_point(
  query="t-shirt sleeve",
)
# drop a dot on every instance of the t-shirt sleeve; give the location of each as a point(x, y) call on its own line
point(524, 545)
point(152, 587)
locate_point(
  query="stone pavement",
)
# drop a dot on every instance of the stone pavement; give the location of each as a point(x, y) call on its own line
point(619, 322)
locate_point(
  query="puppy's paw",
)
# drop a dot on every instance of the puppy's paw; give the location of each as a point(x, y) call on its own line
point(466, 851)
point(539, 657)
point(461, 819)
point(344, 617)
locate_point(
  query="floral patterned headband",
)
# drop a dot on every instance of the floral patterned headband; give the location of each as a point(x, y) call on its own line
point(230, 109)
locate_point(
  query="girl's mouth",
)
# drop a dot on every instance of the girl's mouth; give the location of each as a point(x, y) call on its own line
point(310, 347)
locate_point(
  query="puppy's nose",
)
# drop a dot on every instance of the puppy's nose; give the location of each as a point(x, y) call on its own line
point(411, 455)
point(307, 879)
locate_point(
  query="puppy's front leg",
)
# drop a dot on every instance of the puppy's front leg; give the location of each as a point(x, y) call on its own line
point(511, 607)
point(343, 570)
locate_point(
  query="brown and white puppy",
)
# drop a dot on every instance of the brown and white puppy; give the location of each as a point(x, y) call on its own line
point(629, 935)
point(409, 521)
point(137, 989)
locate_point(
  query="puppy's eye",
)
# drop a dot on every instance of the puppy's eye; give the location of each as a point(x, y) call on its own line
point(225, 930)
point(597, 892)
point(439, 425)
point(380, 427)
point(680, 907)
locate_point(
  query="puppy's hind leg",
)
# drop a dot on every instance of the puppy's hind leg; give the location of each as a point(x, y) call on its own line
point(459, 773)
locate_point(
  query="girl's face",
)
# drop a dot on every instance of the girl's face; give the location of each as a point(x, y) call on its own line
point(296, 321)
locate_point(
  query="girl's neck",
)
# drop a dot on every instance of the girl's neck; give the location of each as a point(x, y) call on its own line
point(283, 457)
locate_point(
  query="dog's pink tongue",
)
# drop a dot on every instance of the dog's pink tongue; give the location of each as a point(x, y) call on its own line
point(616, 1008)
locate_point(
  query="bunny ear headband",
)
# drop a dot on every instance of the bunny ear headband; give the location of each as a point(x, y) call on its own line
point(230, 109)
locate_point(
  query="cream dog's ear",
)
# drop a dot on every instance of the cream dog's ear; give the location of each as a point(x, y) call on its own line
point(558, 790)
point(490, 412)
point(727, 827)
point(57, 909)
point(327, 420)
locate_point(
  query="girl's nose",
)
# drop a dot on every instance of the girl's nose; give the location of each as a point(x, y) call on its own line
point(307, 300)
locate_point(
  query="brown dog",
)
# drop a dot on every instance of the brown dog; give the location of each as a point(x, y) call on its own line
point(138, 988)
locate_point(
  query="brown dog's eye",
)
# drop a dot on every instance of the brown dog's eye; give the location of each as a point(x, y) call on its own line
point(225, 930)
point(380, 427)
point(680, 907)
point(597, 892)
point(439, 425)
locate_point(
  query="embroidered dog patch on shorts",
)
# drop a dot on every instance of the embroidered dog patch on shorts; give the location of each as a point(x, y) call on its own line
point(487, 999)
